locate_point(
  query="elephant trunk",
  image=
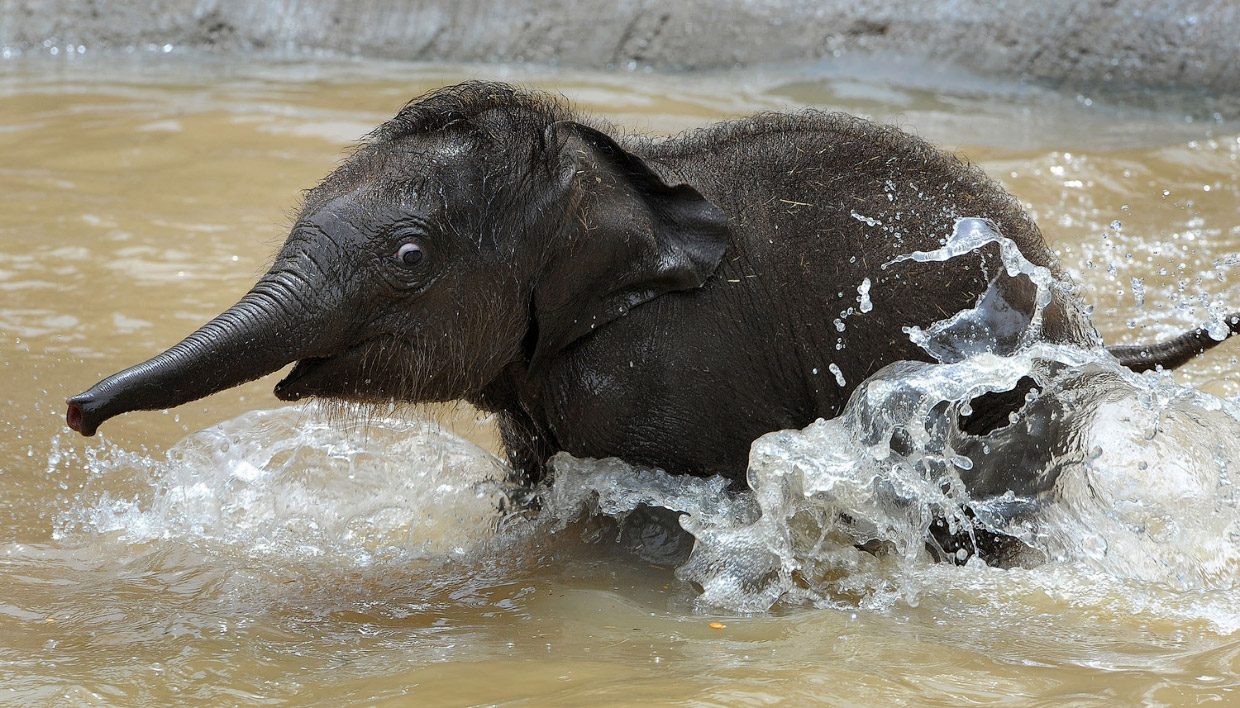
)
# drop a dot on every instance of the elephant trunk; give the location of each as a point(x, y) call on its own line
point(267, 329)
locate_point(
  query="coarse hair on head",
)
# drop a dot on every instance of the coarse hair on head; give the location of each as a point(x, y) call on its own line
point(507, 121)
point(477, 105)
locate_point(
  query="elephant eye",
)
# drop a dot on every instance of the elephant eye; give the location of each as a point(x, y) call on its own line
point(410, 254)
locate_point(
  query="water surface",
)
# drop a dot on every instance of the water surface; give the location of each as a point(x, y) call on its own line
point(279, 558)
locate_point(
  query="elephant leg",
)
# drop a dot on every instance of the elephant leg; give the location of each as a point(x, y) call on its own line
point(527, 446)
point(526, 443)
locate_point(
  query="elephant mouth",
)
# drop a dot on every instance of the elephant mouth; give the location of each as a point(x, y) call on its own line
point(300, 382)
point(337, 376)
point(349, 375)
point(378, 370)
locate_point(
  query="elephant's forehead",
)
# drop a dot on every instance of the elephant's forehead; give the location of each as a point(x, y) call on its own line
point(362, 211)
point(414, 158)
point(416, 176)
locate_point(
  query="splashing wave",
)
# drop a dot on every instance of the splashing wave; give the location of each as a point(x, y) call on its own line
point(289, 482)
point(1104, 479)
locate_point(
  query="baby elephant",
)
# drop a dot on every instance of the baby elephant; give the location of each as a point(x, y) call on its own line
point(661, 301)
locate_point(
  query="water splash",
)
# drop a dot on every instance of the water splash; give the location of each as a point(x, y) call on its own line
point(995, 324)
point(1106, 483)
point(1133, 501)
point(287, 482)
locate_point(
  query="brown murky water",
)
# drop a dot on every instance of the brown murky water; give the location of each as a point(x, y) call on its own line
point(140, 197)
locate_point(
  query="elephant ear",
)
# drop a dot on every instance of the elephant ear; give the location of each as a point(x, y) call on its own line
point(632, 238)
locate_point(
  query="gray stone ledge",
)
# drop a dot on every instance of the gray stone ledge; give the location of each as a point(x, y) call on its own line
point(1125, 44)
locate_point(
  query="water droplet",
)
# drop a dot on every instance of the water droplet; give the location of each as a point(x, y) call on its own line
point(839, 375)
point(863, 296)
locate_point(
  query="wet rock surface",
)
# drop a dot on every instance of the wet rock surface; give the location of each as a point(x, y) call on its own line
point(1123, 44)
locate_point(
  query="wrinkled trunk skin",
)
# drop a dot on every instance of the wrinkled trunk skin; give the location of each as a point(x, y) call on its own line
point(268, 328)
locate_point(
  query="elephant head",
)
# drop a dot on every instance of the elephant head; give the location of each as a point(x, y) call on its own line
point(480, 229)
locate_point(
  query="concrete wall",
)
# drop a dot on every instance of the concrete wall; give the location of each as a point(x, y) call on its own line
point(1179, 44)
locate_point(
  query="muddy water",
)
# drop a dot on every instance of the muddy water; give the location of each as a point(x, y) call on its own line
point(280, 559)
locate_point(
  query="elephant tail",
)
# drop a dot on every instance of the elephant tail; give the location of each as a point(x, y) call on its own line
point(1173, 352)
